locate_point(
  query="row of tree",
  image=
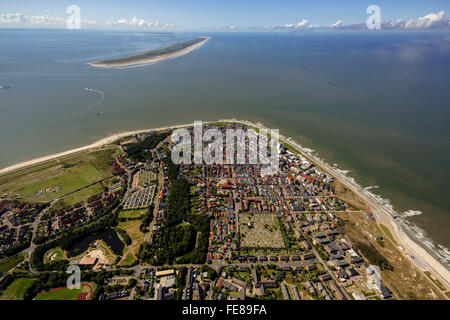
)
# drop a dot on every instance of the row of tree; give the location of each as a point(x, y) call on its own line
point(140, 151)
point(184, 236)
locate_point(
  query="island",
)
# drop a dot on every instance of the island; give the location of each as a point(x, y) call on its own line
point(143, 227)
point(176, 50)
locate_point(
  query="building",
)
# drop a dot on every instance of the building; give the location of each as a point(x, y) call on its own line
point(165, 273)
point(88, 261)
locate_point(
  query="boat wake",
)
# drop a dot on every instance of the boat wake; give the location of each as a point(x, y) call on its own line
point(102, 98)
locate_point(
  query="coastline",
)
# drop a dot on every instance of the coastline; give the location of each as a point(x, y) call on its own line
point(145, 61)
point(424, 260)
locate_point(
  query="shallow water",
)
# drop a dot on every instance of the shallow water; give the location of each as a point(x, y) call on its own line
point(376, 104)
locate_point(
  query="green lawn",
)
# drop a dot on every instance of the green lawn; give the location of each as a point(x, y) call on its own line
point(61, 294)
point(17, 289)
point(8, 264)
point(79, 197)
point(58, 252)
point(137, 237)
point(127, 214)
point(59, 176)
point(128, 260)
point(388, 233)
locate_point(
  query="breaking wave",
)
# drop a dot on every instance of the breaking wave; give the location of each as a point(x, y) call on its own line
point(411, 213)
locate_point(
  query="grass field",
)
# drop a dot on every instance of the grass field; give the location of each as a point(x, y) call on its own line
point(59, 177)
point(130, 214)
point(137, 237)
point(129, 258)
point(8, 264)
point(79, 196)
point(64, 293)
point(388, 233)
point(17, 289)
point(54, 255)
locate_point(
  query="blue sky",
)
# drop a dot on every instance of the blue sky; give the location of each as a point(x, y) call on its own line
point(197, 14)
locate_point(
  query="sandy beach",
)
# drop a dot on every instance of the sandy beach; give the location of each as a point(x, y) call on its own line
point(94, 145)
point(144, 61)
point(423, 259)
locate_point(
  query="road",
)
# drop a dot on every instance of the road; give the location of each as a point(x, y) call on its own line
point(35, 225)
point(326, 267)
point(423, 259)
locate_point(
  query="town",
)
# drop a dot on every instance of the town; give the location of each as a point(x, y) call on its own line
point(150, 229)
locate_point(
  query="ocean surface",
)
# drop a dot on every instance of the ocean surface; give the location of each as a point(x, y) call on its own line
point(377, 104)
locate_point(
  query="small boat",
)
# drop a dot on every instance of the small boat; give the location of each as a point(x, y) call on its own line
point(5, 87)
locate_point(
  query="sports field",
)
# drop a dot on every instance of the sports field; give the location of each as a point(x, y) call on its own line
point(56, 178)
point(68, 294)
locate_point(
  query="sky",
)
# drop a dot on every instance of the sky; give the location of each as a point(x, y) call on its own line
point(202, 14)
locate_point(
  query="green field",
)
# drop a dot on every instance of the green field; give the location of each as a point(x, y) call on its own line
point(130, 214)
point(63, 294)
point(17, 289)
point(79, 196)
point(8, 264)
point(137, 237)
point(128, 260)
point(59, 177)
point(57, 253)
point(388, 233)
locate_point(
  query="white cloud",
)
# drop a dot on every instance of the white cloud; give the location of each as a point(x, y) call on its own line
point(138, 22)
point(20, 18)
point(230, 28)
point(339, 23)
point(314, 26)
point(431, 20)
point(302, 24)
